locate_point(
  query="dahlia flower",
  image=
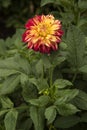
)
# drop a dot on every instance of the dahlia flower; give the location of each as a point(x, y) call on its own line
point(43, 33)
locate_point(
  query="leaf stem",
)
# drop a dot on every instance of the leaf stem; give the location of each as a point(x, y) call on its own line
point(74, 77)
point(22, 107)
point(51, 76)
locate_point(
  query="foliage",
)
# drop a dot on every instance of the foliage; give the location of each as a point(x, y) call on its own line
point(41, 91)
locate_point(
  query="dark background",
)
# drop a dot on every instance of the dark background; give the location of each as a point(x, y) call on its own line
point(14, 14)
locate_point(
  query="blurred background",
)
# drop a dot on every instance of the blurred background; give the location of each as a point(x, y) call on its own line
point(14, 14)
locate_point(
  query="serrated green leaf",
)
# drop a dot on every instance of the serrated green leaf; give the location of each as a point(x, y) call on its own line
point(33, 81)
point(40, 83)
point(8, 64)
point(83, 69)
point(81, 100)
point(6, 102)
point(7, 72)
point(10, 120)
point(46, 61)
point(24, 79)
point(75, 47)
point(39, 67)
point(17, 38)
point(62, 83)
point(25, 124)
point(63, 46)
point(9, 42)
point(50, 114)
point(56, 58)
point(29, 92)
point(82, 5)
point(64, 96)
point(66, 122)
point(67, 18)
point(82, 22)
point(67, 109)
point(41, 101)
point(2, 112)
point(9, 84)
point(37, 116)
point(23, 64)
point(16, 63)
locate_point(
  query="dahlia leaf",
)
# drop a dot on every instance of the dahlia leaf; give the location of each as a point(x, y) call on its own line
point(41, 101)
point(64, 96)
point(9, 84)
point(67, 109)
point(63, 46)
point(7, 72)
point(6, 102)
point(81, 100)
point(61, 83)
point(56, 58)
point(83, 69)
point(39, 67)
point(29, 92)
point(75, 47)
point(66, 121)
point(24, 79)
point(23, 64)
point(42, 84)
point(50, 114)
point(10, 120)
point(3, 111)
point(82, 5)
point(15, 64)
point(46, 61)
point(9, 63)
point(17, 38)
point(37, 116)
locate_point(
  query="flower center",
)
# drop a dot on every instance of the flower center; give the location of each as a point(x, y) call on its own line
point(43, 30)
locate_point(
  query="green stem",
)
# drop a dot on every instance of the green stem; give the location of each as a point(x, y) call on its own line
point(22, 107)
point(42, 76)
point(74, 77)
point(51, 76)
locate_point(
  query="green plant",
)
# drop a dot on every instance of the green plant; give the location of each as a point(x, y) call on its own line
point(32, 84)
point(41, 91)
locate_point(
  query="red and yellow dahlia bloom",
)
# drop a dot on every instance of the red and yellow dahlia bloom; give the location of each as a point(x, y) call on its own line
point(43, 33)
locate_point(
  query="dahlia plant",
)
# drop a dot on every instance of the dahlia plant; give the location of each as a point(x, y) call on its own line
point(43, 33)
point(43, 72)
